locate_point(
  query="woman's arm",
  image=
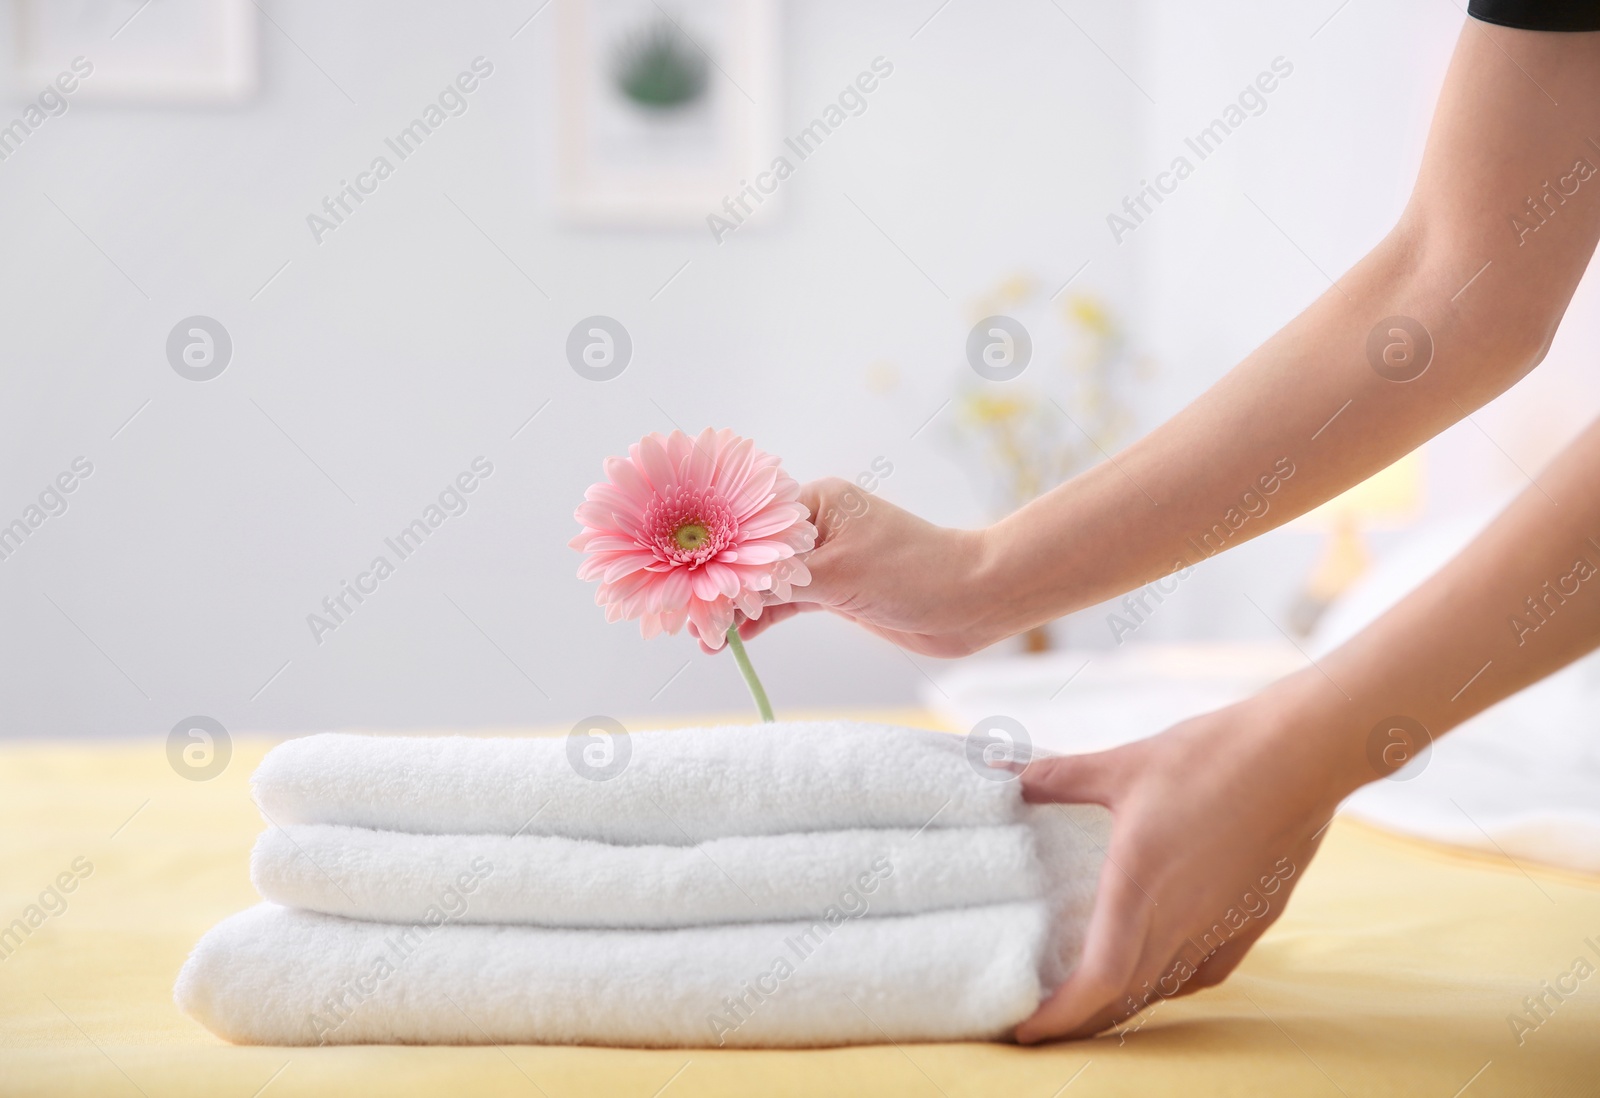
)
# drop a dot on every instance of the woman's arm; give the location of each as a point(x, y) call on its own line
point(1502, 222)
point(1215, 818)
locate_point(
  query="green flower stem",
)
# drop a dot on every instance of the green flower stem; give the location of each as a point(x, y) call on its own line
point(749, 673)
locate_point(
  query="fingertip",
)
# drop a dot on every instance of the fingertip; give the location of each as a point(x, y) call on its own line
point(1051, 1020)
point(1031, 1031)
point(1065, 778)
point(1040, 777)
point(771, 615)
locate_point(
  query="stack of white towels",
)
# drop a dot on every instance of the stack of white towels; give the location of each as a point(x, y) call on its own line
point(791, 885)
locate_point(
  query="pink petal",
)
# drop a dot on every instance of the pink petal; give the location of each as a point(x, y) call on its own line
point(757, 552)
point(702, 460)
point(615, 498)
point(753, 494)
point(625, 566)
point(751, 604)
point(628, 479)
point(609, 543)
point(733, 467)
point(675, 589)
point(656, 464)
point(711, 620)
point(725, 578)
point(679, 447)
point(772, 520)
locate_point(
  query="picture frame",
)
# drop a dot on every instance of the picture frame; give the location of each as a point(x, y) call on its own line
point(142, 51)
point(628, 153)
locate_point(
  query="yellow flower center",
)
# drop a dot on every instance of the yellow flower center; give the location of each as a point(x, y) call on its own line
point(691, 536)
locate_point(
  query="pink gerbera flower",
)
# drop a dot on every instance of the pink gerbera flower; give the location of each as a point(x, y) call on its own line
point(693, 530)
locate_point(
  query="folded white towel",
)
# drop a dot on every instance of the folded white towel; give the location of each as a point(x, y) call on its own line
point(840, 824)
point(675, 787)
point(543, 880)
point(273, 975)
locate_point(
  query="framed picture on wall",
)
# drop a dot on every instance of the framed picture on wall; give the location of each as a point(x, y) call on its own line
point(141, 51)
point(664, 108)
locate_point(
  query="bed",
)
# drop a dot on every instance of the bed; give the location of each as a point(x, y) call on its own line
point(1399, 969)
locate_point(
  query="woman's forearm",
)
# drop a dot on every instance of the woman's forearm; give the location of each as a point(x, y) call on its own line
point(1319, 407)
point(1519, 603)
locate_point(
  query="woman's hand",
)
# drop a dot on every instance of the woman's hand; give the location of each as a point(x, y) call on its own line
point(1213, 824)
point(904, 579)
point(1214, 820)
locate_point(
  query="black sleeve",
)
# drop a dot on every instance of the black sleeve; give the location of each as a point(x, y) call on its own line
point(1539, 15)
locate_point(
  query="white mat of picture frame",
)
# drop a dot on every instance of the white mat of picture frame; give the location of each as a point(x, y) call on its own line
point(168, 51)
point(622, 164)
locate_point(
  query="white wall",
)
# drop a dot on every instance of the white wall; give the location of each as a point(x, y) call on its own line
point(405, 345)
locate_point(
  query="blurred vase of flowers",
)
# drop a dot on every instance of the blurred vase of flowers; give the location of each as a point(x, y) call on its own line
point(1069, 409)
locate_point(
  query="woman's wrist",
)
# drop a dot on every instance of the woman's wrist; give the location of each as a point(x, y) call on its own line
point(1084, 541)
point(1337, 743)
point(999, 599)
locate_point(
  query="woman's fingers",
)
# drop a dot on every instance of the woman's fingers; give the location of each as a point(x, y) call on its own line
point(772, 615)
point(1112, 950)
point(819, 561)
point(1220, 965)
point(753, 627)
point(1069, 779)
point(1116, 944)
point(811, 495)
point(822, 587)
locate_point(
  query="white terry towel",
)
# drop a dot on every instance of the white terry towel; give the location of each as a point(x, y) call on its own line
point(545, 880)
point(675, 787)
point(273, 975)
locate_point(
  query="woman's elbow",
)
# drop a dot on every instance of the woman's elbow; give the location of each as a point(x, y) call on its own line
point(1489, 328)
